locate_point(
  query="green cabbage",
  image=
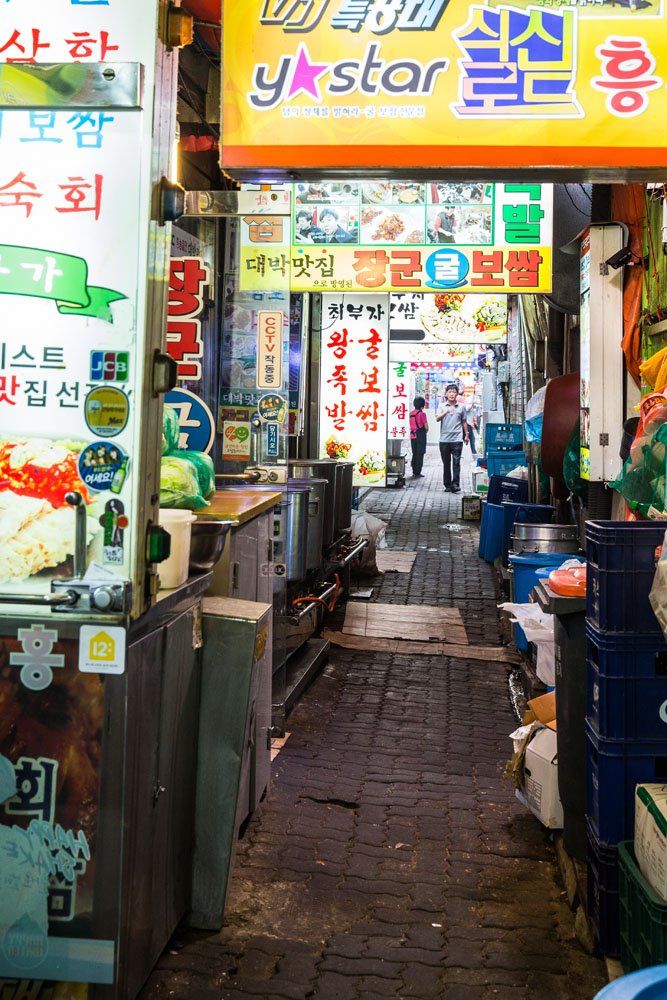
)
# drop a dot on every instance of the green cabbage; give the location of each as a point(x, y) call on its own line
point(171, 430)
point(179, 484)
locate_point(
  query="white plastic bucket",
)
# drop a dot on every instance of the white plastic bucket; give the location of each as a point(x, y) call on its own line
point(175, 570)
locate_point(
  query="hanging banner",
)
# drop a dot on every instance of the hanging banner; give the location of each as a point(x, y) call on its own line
point(413, 84)
point(398, 428)
point(188, 278)
point(409, 236)
point(270, 349)
point(354, 384)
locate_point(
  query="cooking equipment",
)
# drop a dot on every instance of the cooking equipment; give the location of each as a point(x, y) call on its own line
point(344, 490)
point(320, 468)
point(557, 538)
point(394, 448)
point(316, 511)
point(207, 544)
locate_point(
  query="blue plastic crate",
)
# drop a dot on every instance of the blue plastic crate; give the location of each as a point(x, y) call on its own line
point(626, 696)
point(603, 899)
point(483, 529)
point(504, 490)
point(503, 437)
point(621, 567)
point(614, 768)
point(499, 463)
point(493, 541)
point(523, 513)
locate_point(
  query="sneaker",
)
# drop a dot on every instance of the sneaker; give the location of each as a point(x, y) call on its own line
point(456, 489)
point(448, 489)
point(420, 476)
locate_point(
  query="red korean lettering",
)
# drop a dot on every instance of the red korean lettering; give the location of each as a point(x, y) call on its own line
point(337, 414)
point(82, 196)
point(19, 193)
point(404, 266)
point(370, 267)
point(487, 268)
point(185, 346)
point(400, 411)
point(370, 381)
point(400, 391)
point(339, 379)
point(187, 279)
point(83, 45)
point(374, 341)
point(627, 65)
point(523, 267)
point(28, 52)
point(338, 343)
point(9, 388)
point(370, 416)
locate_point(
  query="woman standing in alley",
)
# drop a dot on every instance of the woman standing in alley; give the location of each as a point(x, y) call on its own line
point(418, 432)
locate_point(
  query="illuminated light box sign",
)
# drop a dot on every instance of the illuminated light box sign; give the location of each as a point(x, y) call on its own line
point(335, 84)
point(354, 384)
point(407, 236)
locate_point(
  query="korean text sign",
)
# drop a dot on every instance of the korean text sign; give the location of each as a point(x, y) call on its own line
point(354, 384)
point(71, 297)
point(423, 83)
point(409, 236)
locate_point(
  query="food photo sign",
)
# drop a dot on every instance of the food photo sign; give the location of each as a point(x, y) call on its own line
point(354, 384)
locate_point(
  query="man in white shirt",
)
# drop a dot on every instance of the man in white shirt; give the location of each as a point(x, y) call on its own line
point(453, 422)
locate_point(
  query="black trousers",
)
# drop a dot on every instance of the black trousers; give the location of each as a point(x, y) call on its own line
point(418, 452)
point(451, 461)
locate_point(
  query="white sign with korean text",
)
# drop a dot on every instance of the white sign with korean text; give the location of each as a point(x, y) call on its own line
point(270, 349)
point(354, 384)
point(73, 262)
point(398, 427)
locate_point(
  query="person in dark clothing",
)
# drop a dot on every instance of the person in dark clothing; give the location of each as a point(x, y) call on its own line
point(418, 432)
point(453, 421)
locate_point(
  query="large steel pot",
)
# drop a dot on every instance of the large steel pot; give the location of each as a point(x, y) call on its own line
point(344, 490)
point(294, 503)
point(316, 511)
point(320, 468)
point(394, 448)
point(558, 538)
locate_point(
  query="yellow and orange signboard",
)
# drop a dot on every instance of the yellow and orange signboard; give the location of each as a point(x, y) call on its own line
point(418, 84)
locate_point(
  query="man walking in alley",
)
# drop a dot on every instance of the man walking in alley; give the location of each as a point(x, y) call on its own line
point(453, 432)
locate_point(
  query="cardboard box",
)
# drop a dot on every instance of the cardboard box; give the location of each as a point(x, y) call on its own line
point(651, 835)
point(540, 785)
point(542, 709)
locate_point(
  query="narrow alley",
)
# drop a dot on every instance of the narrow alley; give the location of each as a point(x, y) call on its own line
point(390, 857)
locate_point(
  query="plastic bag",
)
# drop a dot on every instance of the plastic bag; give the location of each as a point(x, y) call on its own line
point(171, 431)
point(539, 629)
point(535, 415)
point(572, 465)
point(367, 526)
point(642, 479)
point(658, 595)
point(204, 470)
point(179, 485)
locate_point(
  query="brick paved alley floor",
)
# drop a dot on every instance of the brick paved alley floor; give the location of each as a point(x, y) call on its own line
point(391, 858)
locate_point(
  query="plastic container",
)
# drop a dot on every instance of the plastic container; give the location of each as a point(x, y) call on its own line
point(526, 572)
point(174, 570)
point(648, 984)
point(503, 437)
point(493, 547)
point(631, 705)
point(643, 917)
point(603, 902)
point(621, 567)
point(505, 490)
point(499, 463)
point(532, 513)
point(614, 768)
point(483, 527)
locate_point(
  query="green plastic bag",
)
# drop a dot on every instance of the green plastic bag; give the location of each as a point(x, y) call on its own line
point(171, 430)
point(179, 484)
point(642, 479)
point(204, 469)
point(572, 466)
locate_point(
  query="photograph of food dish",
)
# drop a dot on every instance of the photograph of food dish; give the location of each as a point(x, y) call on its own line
point(371, 467)
point(340, 193)
point(408, 193)
point(392, 225)
point(462, 226)
point(460, 194)
point(326, 224)
point(469, 319)
point(36, 523)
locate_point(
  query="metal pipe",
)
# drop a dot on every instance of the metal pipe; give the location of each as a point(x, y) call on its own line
point(80, 530)
point(248, 477)
point(70, 598)
point(298, 618)
point(357, 550)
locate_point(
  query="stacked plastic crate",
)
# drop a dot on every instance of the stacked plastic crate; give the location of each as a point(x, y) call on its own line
point(626, 706)
point(503, 448)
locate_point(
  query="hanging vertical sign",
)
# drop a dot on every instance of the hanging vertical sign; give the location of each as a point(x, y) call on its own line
point(188, 278)
point(398, 428)
point(270, 349)
point(354, 384)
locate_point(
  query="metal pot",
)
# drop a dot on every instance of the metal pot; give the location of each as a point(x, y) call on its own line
point(545, 538)
point(394, 448)
point(207, 543)
point(344, 490)
point(294, 503)
point(324, 468)
point(316, 511)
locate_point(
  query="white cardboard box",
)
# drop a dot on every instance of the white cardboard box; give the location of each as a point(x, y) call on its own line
point(651, 835)
point(540, 787)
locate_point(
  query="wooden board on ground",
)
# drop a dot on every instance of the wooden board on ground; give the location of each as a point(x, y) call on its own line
point(400, 621)
point(390, 561)
point(373, 644)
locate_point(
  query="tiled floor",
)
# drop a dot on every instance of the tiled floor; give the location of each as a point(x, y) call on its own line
point(391, 858)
